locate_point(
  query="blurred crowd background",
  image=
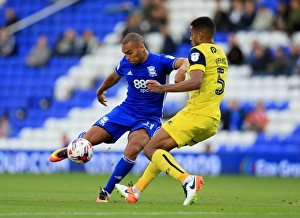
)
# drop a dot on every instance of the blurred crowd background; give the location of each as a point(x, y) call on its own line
point(55, 54)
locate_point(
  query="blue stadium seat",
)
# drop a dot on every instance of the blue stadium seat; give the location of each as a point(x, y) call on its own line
point(183, 49)
point(35, 84)
point(221, 37)
point(291, 149)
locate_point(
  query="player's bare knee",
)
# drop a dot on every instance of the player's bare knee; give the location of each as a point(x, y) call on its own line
point(131, 153)
point(148, 152)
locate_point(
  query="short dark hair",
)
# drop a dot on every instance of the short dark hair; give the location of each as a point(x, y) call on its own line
point(134, 38)
point(204, 24)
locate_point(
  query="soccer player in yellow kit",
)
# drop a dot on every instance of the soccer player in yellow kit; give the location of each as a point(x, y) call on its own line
point(206, 69)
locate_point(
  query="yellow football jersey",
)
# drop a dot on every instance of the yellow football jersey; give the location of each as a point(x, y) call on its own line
point(211, 59)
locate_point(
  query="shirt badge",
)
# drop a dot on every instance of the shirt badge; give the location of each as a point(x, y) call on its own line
point(195, 56)
point(152, 71)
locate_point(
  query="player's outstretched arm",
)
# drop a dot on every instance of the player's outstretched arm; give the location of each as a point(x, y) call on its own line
point(110, 81)
point(180, 75)
point(193, 83)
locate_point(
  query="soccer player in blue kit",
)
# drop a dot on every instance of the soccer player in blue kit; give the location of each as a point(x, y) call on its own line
point(139, 113)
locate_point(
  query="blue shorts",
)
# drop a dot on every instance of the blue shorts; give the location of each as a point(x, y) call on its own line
point(119, 121)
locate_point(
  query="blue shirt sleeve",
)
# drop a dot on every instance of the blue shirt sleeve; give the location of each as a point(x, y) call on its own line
point(119, 69)
point(169, 62)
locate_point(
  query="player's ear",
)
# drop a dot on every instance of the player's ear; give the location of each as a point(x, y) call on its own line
point(141, 46)
point(200, 35)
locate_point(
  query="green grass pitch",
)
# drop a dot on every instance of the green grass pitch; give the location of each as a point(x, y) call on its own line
point(74, 195)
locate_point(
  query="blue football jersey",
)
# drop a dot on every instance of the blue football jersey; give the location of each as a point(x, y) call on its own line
point(139, 100)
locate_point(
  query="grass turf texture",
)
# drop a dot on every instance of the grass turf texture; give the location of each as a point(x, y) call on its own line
point(74, 195)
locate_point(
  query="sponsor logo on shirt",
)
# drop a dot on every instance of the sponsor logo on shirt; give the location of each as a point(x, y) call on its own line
point(213, 49)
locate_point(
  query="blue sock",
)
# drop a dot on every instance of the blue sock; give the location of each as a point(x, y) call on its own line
point(121, 170)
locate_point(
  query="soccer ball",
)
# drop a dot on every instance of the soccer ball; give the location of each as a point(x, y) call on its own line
point(80, 151)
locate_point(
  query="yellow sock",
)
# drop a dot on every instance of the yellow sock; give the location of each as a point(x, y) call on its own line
point(166, 163)
point(149, 174)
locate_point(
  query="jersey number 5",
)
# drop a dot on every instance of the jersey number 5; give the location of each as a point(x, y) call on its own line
point(221, 81)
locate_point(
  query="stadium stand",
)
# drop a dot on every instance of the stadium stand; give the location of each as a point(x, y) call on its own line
point(69, 83)
point(32, 86)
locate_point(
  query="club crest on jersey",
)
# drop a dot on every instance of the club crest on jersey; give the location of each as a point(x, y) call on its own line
point(195, 56)
point(152, 71)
